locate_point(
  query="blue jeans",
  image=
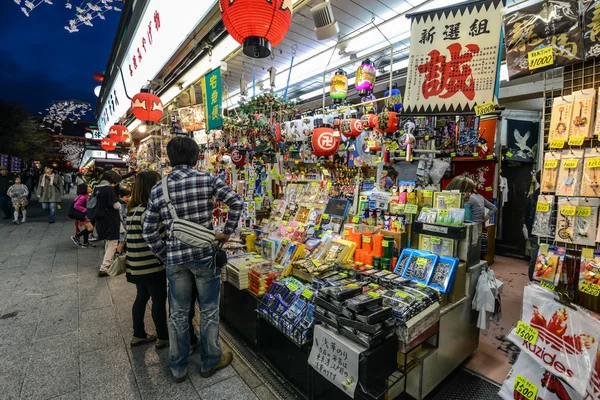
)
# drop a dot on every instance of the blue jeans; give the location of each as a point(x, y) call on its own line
point(208, 282)
point(52, 208)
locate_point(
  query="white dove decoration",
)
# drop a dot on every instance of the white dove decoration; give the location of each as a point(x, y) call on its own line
point(524, 150)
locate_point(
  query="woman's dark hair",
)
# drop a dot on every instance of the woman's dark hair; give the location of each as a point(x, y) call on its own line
point(183, 151)
point(112, 177)
point(82, 188)
point(142, 187)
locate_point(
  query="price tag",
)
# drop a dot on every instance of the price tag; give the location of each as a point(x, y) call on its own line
point(296, 162)
point(576, 140)
point(401, 294)
point(527, 332)
point(386, 271)
point(426, 137)
point(427, 193)
point(490, 157)
point(366, 239)
point(284, 222)
point(421, 261)
point(547, 285)
point(411, 209)
point(355, 220)
point(373, 285)
point(568, 211)
point(552, 164)
point(325, 216)
point(557, 143)
point(443, 213)
point(488, 189)
point(593, 162)
point(452, 154)
point(317, 227)
point(484, 108)
point(289, 229)
point(346, 233)
point(525, 388)
point(419, 284)
point(587, 253)
point(352, 285)
point(397, 225)
point(385, 243)
point(509, 154)
point(583, 211)
point(436, 240)
point(570, 163)
point(371, 143)
point(542, 207)
point(307, 293)
point(374, 295)
point(589, 288)
point(292, 286)
point(402, 153)
point(475, 154)
point(540, 58)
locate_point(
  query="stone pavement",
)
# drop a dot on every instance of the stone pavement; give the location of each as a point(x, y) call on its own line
point(64, 332)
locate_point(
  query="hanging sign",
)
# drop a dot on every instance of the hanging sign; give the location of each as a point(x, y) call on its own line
point(453, 58)
point(212, 98)
point(591, 29)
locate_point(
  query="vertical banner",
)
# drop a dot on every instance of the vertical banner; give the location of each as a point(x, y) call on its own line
point(212, 97)
point(4, 160)
point(453, 58)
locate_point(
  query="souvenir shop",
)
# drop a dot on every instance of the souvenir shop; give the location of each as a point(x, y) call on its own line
point(354, 271)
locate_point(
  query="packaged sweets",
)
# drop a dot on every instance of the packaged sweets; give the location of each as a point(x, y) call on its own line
point(549, 263)
point(420, 266)
point(590, 181)
point(364, 301)
point(550, 172)
point(443, 274)
point(403, 260)
point(542, 222)
point(590, 268)
point(569, 174)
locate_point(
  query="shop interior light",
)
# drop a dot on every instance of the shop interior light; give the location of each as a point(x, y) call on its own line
point(88, 135)
point(142, 128)
point(325, 24)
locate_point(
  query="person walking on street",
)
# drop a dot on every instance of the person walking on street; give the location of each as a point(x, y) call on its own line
point(534, 245)
point(67, 180)
point(5, 183)
point(18, 194)
point(83, 222)
point(108, 217)
point(50, 191)
point(191, 195)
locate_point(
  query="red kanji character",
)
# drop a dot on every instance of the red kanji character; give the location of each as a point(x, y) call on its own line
point(130, 70)
point(150, 32)
point(144, 44)
point(134, 62)
point(139, 55)
point(156, 20)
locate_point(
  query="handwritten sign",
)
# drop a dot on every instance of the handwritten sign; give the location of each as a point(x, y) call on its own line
point(593, 162)
point(589, 288)
point(484, 108)
point(540, 58)
point(576, 141)
point(547, 285)
point(527, 332)
point(557, 143)
point(570, 163)
point(525, 388)
point(568, 211)
point(553, 164)
point(542, 207)
point(411, 209)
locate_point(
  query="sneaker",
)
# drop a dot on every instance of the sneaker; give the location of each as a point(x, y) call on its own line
point(136, 341)
point(75, 240)
point(161, 344)
point(179, 379)
point(102, 274)
point(24, 220)
point(224, 362)
point(84, 245)
point(15, 222)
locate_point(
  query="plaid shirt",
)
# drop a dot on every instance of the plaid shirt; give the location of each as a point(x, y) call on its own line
point(192, 195)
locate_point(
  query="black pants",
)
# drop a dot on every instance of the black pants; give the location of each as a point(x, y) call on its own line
point(157, 290)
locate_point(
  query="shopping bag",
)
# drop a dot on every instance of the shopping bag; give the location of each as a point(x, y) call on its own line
point(118, 266)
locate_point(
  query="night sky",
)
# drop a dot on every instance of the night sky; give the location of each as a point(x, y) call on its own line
point(41, 62)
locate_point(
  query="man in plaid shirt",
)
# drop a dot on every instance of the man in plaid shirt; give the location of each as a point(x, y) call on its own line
point(191, 194)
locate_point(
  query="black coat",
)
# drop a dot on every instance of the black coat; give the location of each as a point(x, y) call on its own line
point(108, 226)
point(5, 183)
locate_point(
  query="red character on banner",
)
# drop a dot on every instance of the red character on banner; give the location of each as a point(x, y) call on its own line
point(144, 44)
point(446, 78)
point(139, 55)
point(150, 32)
point(157, 20)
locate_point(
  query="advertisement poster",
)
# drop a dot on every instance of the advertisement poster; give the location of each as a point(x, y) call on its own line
point(522, 140)
point(475, 137)
point(453, 57)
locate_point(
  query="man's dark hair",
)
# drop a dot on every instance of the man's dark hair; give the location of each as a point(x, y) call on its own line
point(112, 177)
point(183, 151)
point(124, 192)
point(108, 167)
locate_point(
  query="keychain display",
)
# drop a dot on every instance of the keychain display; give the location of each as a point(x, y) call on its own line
point(561, 116)
point(581, 113)
point(590, 181)
point(549, 264)
point(542, 222)
point(550, 172)
point(576, 220)
point(569, 174)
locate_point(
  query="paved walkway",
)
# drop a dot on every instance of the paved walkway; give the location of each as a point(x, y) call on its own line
point(64, 332)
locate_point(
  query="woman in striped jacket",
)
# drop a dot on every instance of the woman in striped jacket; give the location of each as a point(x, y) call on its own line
point(143, 268)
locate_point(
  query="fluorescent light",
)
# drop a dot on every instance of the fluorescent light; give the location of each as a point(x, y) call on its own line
point(503, 72)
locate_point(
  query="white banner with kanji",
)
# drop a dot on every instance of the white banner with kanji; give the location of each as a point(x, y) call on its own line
point(453, 57)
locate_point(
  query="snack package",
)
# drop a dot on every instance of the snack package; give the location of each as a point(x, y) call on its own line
point(542, 222)
point(567, 341)
point(550, 172)
point(420, 266)
point(582, 113)
point(590, 267)
point(590, 181)
point(443, 274)
point(403, 261)
point(549, 263)
point(569, 174)
point(561, 115)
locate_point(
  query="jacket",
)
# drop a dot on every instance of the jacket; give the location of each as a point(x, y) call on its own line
point(108, 227)
point(81, 203)
point(5, 183)
point(50, 193)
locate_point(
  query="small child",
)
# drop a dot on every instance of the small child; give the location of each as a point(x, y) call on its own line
point(124, 197)
point(85, 226)
point(18, 194)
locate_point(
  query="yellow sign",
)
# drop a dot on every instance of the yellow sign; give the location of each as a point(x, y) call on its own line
point(576, 140)
point(552, 164)
point(366, 239)
point(489, 157)
point(355, 220)
point(443, 213)
point(427, 193)
point(527, 332)
point(570, 163)
point(547, 285)
point(568, 211)
point(374, 295)
point(452, 154)
point(400, 294)
point(589, 288)
point(540, 58)
point(292, 286)
point(307, 293)
point(509, 154)
point(583, 211)
point(475, 154)
point(411, 209)
point(488, 189)
point(593, 162)
point(525, 388)
point(484, 108)
point(421, 261)
point(385, 243)
point(557, 143)
point(542, 207)
point(436, 240)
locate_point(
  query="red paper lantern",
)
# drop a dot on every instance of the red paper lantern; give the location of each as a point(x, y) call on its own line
point(352, 127)
point(238, 158)
point(324, 142)
point(392, 122)
point(119, 133)
point(258, 25)
point(108, 144)
point(147, 107)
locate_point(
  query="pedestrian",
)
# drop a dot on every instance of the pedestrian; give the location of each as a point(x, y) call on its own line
point(124, 197)
point(143, 268)
point(84, 224)
point(534, 245)
point(97, 176)
point(67, 180)
point(18, 195)
point(5, 183)
point(191, 194)
point(108, 221)
point(50, 191)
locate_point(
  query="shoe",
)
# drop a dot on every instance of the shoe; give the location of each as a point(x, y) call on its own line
point(93, 238)
point(75, 240)
point(102, 274)
point(161, 344)
point(224, 362)
point(50, 222)
point(179, 379)
point(84, 245)
point(15, 222)
point(136, 341)
point(23, 221)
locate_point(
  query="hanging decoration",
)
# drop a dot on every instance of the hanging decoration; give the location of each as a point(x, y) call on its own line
point(351, 127)
point(119, 133)
point(338, 89)
point(365, 78)
point(394, 102)
point(146, 106)
point(387, 121)
point(108, 144)
point(72, 151)
point(258, 25)
point(324, 142)
point(61, 111)
point(238, 158)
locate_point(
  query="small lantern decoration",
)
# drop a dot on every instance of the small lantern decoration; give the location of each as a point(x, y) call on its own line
point(394, 102)
point(238, 158)
point(364, 81)
point(119, 133)
point(108, 144)
point(278, 136)
point(338, 90)
point(387, 121)
point(258, 25)
point(146, 106)
point(352, 127)
point(324, 142)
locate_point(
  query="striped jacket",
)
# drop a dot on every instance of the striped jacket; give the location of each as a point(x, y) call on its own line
point(141, 263)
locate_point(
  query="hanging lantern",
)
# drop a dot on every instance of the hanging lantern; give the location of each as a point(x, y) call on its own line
point(238, 158)
point(146, 106)
point(119, 133)
point(387, 121)
point(278, 137)
point(258, 25)
point(352, 127)
point(324, 142)
point(364, 82)
point(338, 90)
point(394, 102)
point(108, 144)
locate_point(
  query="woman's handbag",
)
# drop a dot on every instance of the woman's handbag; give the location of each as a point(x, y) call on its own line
point(75, 213)
point(118, 266)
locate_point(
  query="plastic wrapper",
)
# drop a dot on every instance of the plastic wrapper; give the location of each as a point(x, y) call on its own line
point(403, 260)
point(567, 342)
point(590, 181)
point(404, 305)
point(364, 301)
point(542, 222)
point(443, 274)
point(550, 172)
point(438, 170)
point(590, 267)
point(576, 220)
point(420, 266)
point(549, 264)
point(569, 173)
point(341, 293)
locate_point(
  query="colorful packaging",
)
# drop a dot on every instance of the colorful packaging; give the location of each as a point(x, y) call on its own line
point(569, 174)
point(549, 264)
point(550, 172)
point(542, 222)
point(443, 274)
point(589, 273)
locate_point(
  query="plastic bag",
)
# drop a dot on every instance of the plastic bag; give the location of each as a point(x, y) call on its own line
point(438, 170)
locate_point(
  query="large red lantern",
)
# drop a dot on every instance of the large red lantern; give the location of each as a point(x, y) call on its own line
point(119, 133)
point(258, 25)
point(387, 121)
point(352, 127)
point(324, 142)
point(146, 106)
point(108, 144)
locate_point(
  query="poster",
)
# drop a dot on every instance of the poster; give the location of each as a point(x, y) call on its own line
point(213, 98)
point(4, 160)
point(482, 173)
point(522, 140)
point(591, 29)
point(191, 118)
point(476, 137)
point(550, 23)
point(453, 57)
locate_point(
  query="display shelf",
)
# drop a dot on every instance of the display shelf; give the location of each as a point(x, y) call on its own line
point(451, 232)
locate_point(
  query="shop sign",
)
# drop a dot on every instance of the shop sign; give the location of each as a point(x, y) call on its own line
point(453, 60)
point(591, 29)
point(212, 99)
point(161, 30)
point(4, 160)
point(15, 164)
